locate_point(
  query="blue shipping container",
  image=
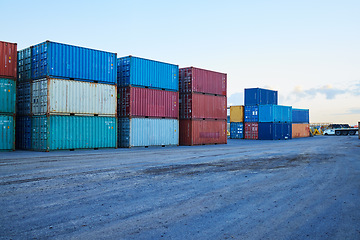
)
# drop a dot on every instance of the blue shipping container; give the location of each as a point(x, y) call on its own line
point(300, 115)
point(24, 65)
point(23, 94)
point(251, 113)
point(236, 130)
point(142, 132)
point(7, 133)
point(23, 132)
point(275, 113)
point(59, 60)
point(134, 71)
point(260, 96)
point(275, 131)
point(73, 132)
point(7, 96)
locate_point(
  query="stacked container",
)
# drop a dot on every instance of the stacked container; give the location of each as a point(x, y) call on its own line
point(8, 74)
point(236, 122)
point(72, 92)
point(300, 123)
point(148, 103)
point(203, 107)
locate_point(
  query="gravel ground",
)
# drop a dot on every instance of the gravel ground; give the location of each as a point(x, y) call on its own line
point(297, 189)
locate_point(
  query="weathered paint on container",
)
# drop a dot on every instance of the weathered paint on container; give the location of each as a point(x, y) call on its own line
point(7, 96)
point(140, 72)
point(7, 133)
point(251, 113)
point(23, 132)
point(202, 81)
point(8, 60)
point(23, 98)
point(300, 130)
point(300, 115)
point(146, 102)
point(236, 113)
point(200, 132)
point(275, 113)
point(59, 96)
point(251, 130)
point(274, 131)
point(57, 60)
point(143, 132)
point(260, 96)
point(73, 132)
point(24, 65)
point(202, 106)
point(236, 130)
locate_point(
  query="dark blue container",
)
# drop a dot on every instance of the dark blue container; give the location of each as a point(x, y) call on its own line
point(23, 132)
point(275, 131)
point(64, 61)
point(260, 96)
point(23, 102)
point(300, 115)
point(251, 113)
point(24, 65)
point(236, 130)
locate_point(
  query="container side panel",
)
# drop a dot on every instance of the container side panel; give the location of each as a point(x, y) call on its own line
point(24, 65)
point(7, 96)
point(23, 132)
point(300, 115)
point(7, 133)
point(300, 130)
point(23, 101)
point(251, 130)
point(236, 113)
point(236, 130)
point(259, 96)
point(8, 60)
point(251, 113)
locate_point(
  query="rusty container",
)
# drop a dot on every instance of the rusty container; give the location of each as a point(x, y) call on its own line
point(300, 130)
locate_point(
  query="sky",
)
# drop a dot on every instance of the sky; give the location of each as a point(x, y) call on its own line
point(309, 51)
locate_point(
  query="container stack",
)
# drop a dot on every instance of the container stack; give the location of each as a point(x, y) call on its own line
point(300, 123)
point(148, 103)
point(203, 107)
point(8, 74)
point(264, 119)
point(72, 98)
point(236, 122)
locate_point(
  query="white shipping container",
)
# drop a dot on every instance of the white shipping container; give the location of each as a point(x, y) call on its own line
point(63, 97)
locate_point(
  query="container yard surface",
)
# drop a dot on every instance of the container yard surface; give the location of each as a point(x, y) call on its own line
point(304, 188)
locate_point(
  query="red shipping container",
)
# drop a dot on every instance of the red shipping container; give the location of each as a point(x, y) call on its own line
point(202, 81)
point(8, 60)
point(146, 102)
point(251, 130)
point(199, 132)
point(199, 105)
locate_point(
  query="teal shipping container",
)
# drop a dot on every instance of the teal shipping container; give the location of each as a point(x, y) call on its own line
point(143, 132)
point(73, 132)
point(275, 113)
point(7, 96)
point(140, 72)
point(7, 133)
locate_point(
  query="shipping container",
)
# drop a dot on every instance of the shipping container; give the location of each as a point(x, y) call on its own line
point(57, 60)
point(251, 130)
point(300, 115)
point(236, 130)
point(201, 132)
point(236, 113)
point(23, 132)
point(275, 113)
point(204, 106)
point(251, 113)
point(73, 132)
point(260, 96)
point(300, 130)
point(69, 97)
point(8, 60)
point(140, 72)
point(202, 81)
point(7, 133)
point(24, 65)
point(23, 98)
point(144, 132)
point(145, 102)
point(7, 96)
point(274, 131)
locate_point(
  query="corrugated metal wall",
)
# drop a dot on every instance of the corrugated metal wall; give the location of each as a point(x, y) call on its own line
point(7, 133)
point(8, 60)
point(7, 96)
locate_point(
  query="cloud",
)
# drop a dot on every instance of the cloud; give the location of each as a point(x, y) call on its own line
point(353, 111)
point(236, 99)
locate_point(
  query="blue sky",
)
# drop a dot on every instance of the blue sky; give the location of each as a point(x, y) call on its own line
point(307, 50)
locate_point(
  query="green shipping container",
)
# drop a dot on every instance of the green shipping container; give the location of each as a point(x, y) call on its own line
point(73, 132)
point(7, 96)
point(7, 133)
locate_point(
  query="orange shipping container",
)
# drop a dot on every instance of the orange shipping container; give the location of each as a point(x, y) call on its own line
point(300, 130)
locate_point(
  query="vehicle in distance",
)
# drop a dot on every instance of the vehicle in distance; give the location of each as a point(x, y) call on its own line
point(340, 129)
